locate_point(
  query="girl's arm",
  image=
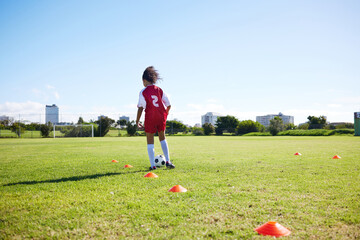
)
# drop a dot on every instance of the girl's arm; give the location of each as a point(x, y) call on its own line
point(139, 112)
point(168, 109)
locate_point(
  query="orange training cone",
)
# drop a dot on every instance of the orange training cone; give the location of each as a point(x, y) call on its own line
point(273, 229)
point(114, 160)
point(151, 175)
point(336, 157)
point(128, 166)
point(298, 154)
point(177, 188)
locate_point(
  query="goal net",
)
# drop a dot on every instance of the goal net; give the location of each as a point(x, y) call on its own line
point(77, 130)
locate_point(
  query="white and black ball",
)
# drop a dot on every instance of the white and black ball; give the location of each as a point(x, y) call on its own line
point(160, 161)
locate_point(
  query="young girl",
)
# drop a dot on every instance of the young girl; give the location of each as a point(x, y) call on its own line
point(157, 107)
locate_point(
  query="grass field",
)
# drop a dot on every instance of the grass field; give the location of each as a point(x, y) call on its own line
point(68, 188)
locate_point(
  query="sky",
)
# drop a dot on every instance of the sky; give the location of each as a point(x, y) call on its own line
point(239, 58)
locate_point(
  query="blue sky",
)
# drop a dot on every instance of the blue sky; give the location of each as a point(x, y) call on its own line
point(242, 58)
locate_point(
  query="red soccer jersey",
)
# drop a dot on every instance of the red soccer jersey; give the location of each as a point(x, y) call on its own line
point(155, 101)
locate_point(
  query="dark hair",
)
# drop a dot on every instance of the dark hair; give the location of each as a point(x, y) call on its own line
point(151, 75)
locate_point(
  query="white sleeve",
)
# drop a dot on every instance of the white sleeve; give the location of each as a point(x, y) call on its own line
point(165, 100)
point(142, 102)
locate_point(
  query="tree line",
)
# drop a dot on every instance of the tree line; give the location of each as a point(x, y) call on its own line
point(227, 124)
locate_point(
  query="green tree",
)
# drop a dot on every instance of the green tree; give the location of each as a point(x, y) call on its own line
point(208, 128)
point(45, 129)
point(104, 124)
point(80, 121)
point(227, 123)
point(18, 128)
point(122, 122)
point(304, 126)
point(131, 128)
point(33, 127)
point(6, 123)
point(290, 126)
point(174, 127)
point(248, 126)
point(198, 131)
point(276, 126)
point(316, 122)
point(77, 131)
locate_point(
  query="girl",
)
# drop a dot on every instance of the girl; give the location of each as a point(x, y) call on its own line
point(157, 107)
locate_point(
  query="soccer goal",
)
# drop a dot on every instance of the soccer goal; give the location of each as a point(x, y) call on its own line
point(76, 130)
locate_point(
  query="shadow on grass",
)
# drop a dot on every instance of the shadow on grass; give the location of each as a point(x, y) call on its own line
point(73, 179)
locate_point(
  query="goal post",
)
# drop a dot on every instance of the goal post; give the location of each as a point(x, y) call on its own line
point(74, 130)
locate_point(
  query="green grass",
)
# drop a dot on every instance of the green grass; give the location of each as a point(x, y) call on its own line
point(69, 189)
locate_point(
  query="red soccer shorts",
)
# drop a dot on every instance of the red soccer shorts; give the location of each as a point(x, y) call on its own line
point(152, 126)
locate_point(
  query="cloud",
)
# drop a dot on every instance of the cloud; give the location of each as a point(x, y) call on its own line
point(212, 100)
point(50, 87)
point(131, 106)
point(349, 100)
point(56, 94)
point(195, 106)
point(15, 108)
point(40, 94)
point(334, 105)
point(209, 107)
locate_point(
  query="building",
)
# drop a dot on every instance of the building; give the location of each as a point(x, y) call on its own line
point(125, 118)
point(101, 116)
point(52, 114)
point(210, 117)
point(265, 120)
point(5, 118)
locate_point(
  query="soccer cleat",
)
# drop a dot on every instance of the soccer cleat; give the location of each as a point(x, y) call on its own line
point(170, 165)
point(152, 168)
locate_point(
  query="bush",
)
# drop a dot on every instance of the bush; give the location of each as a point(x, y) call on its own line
point(344, 131)
point(312, 132)
point(290, 126)
point(131, 128)
point(258, 134)
point(18, 128)
point(276, 126)
point(208, 128)
point(317, 122)
point(104, 124)
point(78, 131)
point(304, 126)
point(174, 127)
point(45, 130)
point(228, 123)
point(248, 126)
point(198, 131)
point(345, 125)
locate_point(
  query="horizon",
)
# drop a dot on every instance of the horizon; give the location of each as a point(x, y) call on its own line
point(89, 117)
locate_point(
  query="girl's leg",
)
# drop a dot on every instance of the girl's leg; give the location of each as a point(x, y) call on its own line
point(165, 148)
point(150, 148)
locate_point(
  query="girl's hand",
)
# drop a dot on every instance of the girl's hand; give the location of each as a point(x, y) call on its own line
point(140, 126)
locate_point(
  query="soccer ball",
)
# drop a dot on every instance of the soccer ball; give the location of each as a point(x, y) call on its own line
point(160, 161)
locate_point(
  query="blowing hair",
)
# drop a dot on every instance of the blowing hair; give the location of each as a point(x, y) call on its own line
point(151, 75)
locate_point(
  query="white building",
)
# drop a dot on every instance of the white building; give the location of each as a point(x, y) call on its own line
point(51, 114)
point(5, 118)
point(210, 117)
point(265, 120)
